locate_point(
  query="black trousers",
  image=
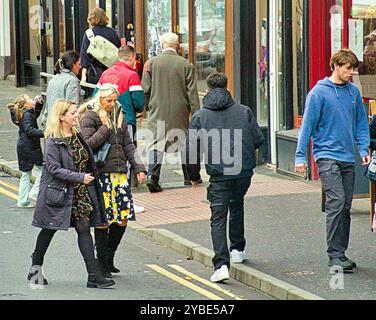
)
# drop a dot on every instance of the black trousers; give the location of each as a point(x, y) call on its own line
point(227, 196)
point(337, 179)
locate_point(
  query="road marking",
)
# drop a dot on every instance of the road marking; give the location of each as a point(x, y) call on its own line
point(9, 194)
point(9, 185)
point(204, 281)
point(185, 283)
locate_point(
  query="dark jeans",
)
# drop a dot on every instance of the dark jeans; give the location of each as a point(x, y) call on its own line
point(155, 165)
point(225, 196)
point(337, 179)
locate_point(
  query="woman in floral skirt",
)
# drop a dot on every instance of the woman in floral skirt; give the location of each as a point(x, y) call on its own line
point(102, 122)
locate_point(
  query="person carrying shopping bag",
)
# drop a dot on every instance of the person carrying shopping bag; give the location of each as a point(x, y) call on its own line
point(24, 113)
point(102, 124)
point(69, 194)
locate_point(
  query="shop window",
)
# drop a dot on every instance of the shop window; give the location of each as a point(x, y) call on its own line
point(183, 27)
point(210, 39)
point(62, 41)
point(299, 63)
point(34, 32)
point(262, 66)
point(362, 40)
point(159, 21)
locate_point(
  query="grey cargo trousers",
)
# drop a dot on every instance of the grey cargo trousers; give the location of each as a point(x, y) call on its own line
point(337, 179)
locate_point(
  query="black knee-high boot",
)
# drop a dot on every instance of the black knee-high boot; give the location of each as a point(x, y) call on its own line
point(101, 244)
point(96, 278)
point(115, 236)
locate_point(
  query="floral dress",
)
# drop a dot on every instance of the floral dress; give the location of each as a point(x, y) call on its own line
point(82, 205)
point(118, 199)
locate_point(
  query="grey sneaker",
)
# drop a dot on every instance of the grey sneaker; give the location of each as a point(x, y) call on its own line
point(341, 264)
point(352, 262)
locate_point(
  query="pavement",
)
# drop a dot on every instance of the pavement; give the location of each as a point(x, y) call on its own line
point(285, 231)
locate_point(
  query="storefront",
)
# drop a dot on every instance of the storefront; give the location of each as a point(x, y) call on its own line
point(204, 27)
point(45, 29)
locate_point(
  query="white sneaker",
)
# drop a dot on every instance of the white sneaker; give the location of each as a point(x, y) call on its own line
point(220, 275)
point(238, 256)
point(138, 209)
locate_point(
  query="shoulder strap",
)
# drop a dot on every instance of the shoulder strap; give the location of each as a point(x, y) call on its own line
point(90, 34)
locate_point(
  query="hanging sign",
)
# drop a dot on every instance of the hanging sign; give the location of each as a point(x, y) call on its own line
point(356, 37)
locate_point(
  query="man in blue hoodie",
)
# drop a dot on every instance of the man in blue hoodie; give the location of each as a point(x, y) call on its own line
point(336, 120)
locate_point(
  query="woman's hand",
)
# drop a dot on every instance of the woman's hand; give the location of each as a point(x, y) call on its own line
point(141, 177)
point(103, 116)
point(88, 178)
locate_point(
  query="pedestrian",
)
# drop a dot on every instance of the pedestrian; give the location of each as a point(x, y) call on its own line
point(103, 123)
point(131, 95)
point(24, 113)
point(222, 129)
point(92, 69)
point(69, 194)
point(170, 86)
point(65, 84)
point(336, 120)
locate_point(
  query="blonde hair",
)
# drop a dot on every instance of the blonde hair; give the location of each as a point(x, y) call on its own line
point(98, 17)
point(95, 105)
point(54, 127)
point(19, 105)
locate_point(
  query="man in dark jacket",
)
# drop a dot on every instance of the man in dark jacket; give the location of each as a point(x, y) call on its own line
point(228, 135)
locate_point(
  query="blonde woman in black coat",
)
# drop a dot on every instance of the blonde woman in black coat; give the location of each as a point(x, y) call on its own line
point(69, 196)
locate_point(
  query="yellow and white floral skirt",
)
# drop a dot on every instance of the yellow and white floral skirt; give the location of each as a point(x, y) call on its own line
point(118, 200)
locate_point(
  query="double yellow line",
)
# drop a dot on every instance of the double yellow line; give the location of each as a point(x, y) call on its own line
point(191, 285)
point(8, 193)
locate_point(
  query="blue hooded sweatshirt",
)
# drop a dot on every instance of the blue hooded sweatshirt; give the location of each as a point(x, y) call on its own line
point(336, 120)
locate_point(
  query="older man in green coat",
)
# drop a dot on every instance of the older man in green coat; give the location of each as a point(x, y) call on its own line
point(171, 96)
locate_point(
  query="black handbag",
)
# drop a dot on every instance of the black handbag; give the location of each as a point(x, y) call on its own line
point(101, 155)
point(55, 195)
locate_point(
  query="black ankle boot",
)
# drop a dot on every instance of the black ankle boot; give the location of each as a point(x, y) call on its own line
point(95, 276)
point(111, 257)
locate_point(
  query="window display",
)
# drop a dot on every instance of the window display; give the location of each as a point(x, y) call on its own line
point(362, 39)
point(159, 21)
point(210, 39)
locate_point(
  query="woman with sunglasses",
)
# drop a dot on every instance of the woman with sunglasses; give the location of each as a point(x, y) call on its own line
point(69, 194)
point(103, 122)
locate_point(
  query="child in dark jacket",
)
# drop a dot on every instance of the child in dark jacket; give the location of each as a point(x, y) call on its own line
point(24, 113)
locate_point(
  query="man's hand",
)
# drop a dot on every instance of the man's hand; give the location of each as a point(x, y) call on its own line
point(301, 168)
point(141, 177)
point(366, 161)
